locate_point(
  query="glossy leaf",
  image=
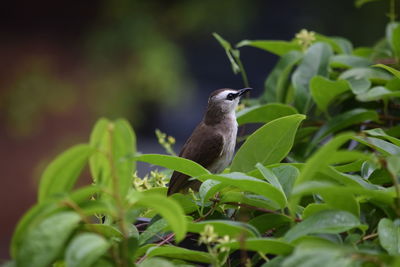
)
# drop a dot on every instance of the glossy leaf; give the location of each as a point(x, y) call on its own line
point(42, 245)
point(153, 230)
point(343, 121)
point(321, 158)
point(180, 253)
point(209, 188)
point(264, 114)
point(168, 208)
point(250, 184)
point(338, 44)
point(389, 235)
point(377, 93)
point(276, 47)
point(349, 61)
point(268, 221)
point(269, 176)
point(327, 222)
point(324, 91)
point(112, 165)
point(390, 69)
point(182, 165)
point(358, 85)
point(61, 174)
point(372, 74)
point(276, 84)
point(377, 132)
point(85, 249)
point(156, 262)
point(315, 62)
point(269, 144)
point(380, 145)
point(230, 228)
point(254, 200)
point(263, 245)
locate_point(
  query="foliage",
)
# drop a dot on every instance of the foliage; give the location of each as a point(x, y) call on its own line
point(320, 188)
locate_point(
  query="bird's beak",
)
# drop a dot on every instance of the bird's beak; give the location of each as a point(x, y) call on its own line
point(243, 91)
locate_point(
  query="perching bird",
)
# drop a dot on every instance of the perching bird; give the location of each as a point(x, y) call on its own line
point(213, 141)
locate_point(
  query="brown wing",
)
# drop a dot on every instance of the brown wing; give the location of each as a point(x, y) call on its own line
point(202, 147)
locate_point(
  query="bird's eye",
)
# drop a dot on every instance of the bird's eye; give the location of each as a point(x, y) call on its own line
point(230, 96)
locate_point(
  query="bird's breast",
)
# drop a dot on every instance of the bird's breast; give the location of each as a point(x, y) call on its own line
point(229, 131)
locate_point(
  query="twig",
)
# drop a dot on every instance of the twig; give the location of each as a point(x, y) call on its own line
point(367, 237)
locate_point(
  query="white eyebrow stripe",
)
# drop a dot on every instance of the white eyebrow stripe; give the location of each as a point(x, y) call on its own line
point(224, 94)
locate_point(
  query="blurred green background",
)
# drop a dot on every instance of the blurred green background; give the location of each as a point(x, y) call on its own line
point(65, 64)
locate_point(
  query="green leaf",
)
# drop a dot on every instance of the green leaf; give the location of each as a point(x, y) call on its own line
point(156, 262)
point(358, 85)
point(315, 62)
point(275, 47)
point(42, 244)
point(321, 158)
point(320, 253)
point(276, 84)
point(315, 187)
point(286, 175)
point(325, 222)
point(389, 236)
point(152, 230)
point(231, 228)
point(264, 114)
point(250, 184)
point(40, 211)
point(105, 230)
point(390, 69)
point(209, 188)
point(112, 165)
point(269, 144)
point(377, 132)
point(29, 220)
point(377, 93)
point(349, 61)
point(98, 162)
point(263, 245)
point(315, 208)
point(247, 198)
point(324, 90)
point(268, 221)
point(339, 45)
point(343, 121)
point(182, 165)
point(186, 202)
point(269, 176)
point(168, 208)
point(123, 145)
point(380, 145)
point(85, 249)
point(61, 174)
point(179, 253)
point(374, 75)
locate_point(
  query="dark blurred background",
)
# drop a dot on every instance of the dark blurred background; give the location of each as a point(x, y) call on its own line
point(66, 63)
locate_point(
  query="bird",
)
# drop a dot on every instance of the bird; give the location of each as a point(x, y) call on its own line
point(212, 142)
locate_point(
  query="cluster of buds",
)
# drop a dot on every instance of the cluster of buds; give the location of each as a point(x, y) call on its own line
point(210, 237)
point(166, 142)
point(156, 179)
point(305, 38)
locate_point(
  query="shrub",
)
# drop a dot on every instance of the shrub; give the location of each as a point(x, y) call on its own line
point(315, 185)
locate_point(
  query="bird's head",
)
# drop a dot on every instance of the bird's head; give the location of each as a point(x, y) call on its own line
point(226, 100)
